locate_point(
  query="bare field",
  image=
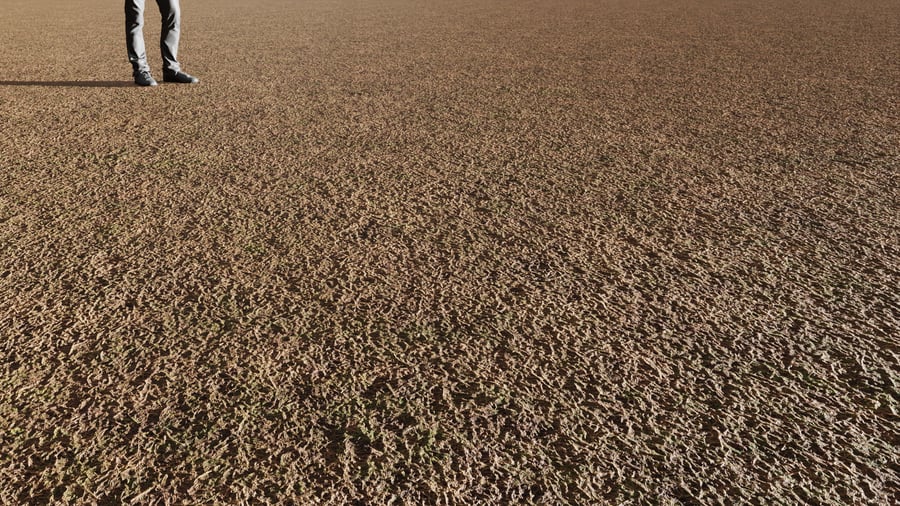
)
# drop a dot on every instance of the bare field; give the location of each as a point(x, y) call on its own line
point(452, 252)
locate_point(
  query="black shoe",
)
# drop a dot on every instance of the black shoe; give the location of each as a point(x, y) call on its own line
point(179, 77)
point(143, 78)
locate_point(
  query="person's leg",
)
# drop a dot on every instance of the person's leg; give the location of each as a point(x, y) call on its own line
point(171, 32)
point(168, 42)
point(134, 35)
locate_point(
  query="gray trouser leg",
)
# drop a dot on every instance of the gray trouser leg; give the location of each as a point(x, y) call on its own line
point(171, 31)
point(168, 41)
point(134, 34)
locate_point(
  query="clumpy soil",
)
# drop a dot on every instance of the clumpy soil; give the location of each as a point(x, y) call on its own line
point(452, 252)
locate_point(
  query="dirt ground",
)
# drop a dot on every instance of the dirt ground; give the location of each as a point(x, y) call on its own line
point(452, 252)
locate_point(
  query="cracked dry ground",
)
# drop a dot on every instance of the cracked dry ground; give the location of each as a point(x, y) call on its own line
point(452, 252)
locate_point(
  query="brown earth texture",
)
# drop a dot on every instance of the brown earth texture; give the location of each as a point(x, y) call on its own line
point(452, 252)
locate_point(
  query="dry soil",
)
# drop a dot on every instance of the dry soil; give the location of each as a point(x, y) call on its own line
point(452, 252)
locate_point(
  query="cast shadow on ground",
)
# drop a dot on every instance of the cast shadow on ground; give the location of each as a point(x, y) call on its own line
point(70, 84)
